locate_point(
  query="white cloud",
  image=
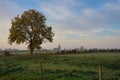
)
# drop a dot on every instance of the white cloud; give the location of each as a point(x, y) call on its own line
point(114, 30)
point(88, 18)
point(66, 23)
point(88, 22)
point(57, 12)
point(58, 9)
point(8, 10)
point(112, 5)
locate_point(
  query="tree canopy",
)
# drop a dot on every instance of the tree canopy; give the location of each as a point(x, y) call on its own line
point(30, 28)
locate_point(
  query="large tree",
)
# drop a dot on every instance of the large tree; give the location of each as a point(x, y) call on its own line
point(30, 28)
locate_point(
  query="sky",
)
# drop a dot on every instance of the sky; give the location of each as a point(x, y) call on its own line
point(88, 23)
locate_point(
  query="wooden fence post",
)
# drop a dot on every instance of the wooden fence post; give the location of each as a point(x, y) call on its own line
point(100, 72)
point(6, 64)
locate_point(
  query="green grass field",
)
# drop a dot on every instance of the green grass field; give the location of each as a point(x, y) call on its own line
point(61, 67)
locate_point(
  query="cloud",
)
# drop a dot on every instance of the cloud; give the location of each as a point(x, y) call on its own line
point(86, 24)
point(57, 9)
point(63, 18)
point(8, 9)
point(113, 30)
point(72, 21)
point(112, 5)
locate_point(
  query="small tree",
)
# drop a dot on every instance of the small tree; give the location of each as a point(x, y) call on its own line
point(30, 28)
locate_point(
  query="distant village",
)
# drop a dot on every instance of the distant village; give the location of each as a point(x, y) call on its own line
point(58, 49)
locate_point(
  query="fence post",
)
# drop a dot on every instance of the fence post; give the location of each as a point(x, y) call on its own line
point(6, 64)
point(100, 72)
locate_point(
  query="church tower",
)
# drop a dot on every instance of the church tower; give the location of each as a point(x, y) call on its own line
point(59, 47)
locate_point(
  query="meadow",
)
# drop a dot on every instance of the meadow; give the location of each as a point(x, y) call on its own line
point(83, 66)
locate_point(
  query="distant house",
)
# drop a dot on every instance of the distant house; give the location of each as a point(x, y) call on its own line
point(58, 49)
point(81, 49)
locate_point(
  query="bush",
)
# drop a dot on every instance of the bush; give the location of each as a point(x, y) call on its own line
point(6, 53)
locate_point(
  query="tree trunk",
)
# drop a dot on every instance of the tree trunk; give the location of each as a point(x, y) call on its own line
point(31, 47)
point(31, 51)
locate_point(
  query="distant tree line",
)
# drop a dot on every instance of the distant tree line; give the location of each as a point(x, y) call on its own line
point(94, 50)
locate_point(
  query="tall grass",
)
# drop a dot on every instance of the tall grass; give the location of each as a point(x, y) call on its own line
point(62, 67)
